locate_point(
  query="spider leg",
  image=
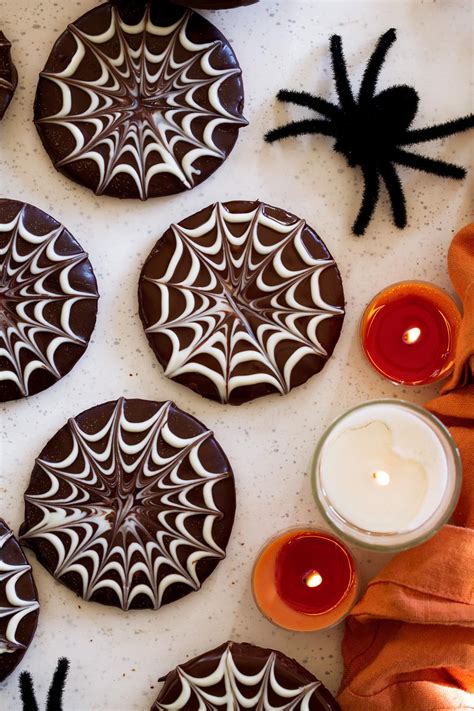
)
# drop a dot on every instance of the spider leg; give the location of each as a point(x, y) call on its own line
point(298, 128)
point(27, 692)
point(339, 68)
point(429, 165)
point(303, 98)
point(420, 135)
point(374, 65)
point(55, 693)
point(369, 200)
point(395, 192)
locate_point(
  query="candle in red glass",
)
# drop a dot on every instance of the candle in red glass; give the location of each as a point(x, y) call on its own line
point(409, 333)
point(305, 580)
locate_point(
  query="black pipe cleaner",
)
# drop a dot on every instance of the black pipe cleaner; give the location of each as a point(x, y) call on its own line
point(55, 693)
point(372, 130)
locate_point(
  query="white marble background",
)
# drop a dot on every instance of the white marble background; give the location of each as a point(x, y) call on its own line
point(116, 657)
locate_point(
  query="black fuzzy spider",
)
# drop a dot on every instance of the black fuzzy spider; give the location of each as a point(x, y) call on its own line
point(370, 131)
point(55, 693)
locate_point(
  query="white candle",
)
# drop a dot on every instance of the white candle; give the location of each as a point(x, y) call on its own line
point(387, 473)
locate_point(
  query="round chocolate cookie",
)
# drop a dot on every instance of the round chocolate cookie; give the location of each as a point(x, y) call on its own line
point(140, 99)
point(241, 300)
point(48, 300)
point(131, 504)
point(215, 4)
point(242, 676)
point(19, 607)
point(8, 75)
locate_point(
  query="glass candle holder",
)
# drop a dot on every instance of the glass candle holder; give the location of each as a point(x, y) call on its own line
point(305, 580)
point(409, 331)
point(386, 475)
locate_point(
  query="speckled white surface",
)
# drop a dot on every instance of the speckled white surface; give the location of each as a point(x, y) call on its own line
point(117, 657)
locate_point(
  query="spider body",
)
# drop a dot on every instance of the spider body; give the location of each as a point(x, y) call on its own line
point(370, 131)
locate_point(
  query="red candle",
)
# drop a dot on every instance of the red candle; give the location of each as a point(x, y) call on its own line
point(305, 580)
point(409, 333)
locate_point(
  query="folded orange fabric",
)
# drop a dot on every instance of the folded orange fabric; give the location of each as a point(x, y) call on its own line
point(409, 642)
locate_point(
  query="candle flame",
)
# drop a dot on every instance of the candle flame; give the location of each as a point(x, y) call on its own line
point(313, 579)
point(380, 477)
point(412, 335)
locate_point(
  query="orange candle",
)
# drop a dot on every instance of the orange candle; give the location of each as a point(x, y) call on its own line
point(409, 332)
point(305, 580)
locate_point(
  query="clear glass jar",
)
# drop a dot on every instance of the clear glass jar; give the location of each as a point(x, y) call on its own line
point(398, 539)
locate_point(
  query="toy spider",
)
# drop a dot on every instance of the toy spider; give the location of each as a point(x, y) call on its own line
point(55, 693)
point(370, 131)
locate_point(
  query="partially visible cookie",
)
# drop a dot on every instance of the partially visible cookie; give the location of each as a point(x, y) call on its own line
point(131, 504)
point(243, 676)
point(8, 75)
point(19, 607)
point(140, 99)
point(241, 300)
point(214, 4)
point(48, 300)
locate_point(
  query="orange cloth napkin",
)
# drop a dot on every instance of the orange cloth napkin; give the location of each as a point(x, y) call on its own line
point(409, 643)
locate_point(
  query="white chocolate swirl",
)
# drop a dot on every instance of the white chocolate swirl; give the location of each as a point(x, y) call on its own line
point(13, 607)
point(44, 277)
point(237, 297)
point(5, 84)
point(130, 508)
point(154, 107)
point(9, 78)
point(230, 686)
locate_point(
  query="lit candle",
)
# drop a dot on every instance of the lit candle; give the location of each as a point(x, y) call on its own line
point(387, 474)
point(305, 580)
point(409, 332)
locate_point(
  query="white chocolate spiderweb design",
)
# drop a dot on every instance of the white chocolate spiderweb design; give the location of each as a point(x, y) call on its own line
point(263, 690)
point(145, 111)
point(229, 301)
point(36, 319)
point(5, 49)
point(15, 608)
point(131, 508)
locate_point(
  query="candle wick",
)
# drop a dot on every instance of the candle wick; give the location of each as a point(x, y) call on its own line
point(313, 579)
point(412, 335)
point(380, 477)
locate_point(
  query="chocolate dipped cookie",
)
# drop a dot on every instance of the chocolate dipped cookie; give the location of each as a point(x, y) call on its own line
point(215, 4)
point(241, 300)
point(19, 607)
point(8, 75)
point(140, 99)
point(48, 300)
point(131, 504)
point(243, 676)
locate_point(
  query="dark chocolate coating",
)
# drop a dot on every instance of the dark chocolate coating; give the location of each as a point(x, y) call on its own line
point(8, 75)
point(15, 572)
point(215, 4)
point(250, 661)
point(241, 300)
point(151, 500)
point(48, 300)
point(159, 123)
